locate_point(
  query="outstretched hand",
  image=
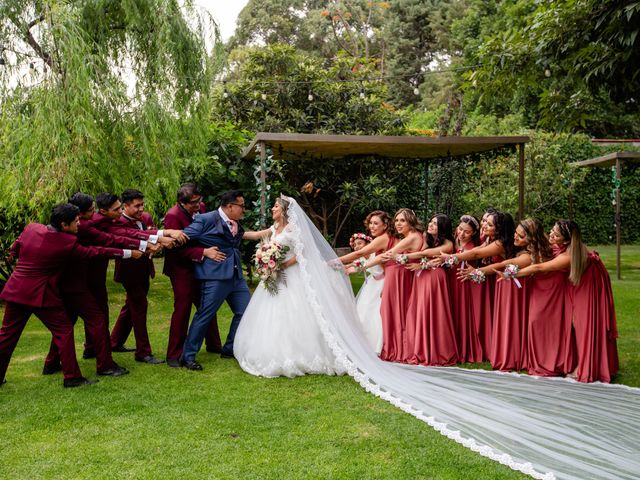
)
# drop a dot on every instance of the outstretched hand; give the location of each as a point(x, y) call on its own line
point(178, 235)
point(213, 253)
point(464, 274)
point(135, 254)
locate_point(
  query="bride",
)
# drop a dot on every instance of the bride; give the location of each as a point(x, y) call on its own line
point(545, 427)
point(278, 334)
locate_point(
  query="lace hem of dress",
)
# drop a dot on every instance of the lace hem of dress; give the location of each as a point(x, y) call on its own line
point(370, 386)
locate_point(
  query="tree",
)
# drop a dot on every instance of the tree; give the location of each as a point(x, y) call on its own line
point(568, 66)
point(117, 96)
point(278, 89)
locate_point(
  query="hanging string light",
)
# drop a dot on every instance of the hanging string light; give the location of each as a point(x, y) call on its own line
point(2, 61)
point(362, 94)
point(310, 96)
point(225, 93)
point(263, 96)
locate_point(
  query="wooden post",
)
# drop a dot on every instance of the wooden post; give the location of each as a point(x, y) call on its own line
point(521, 181)
point(263, 184)
point(618, 233)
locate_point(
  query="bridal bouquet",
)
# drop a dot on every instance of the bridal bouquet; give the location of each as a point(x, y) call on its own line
point(269, 259)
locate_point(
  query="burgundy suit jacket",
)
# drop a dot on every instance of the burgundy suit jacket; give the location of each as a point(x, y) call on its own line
point(131, 270)
point(123, 229)
point(75, 277)
point(179, 261)
point(42, 253)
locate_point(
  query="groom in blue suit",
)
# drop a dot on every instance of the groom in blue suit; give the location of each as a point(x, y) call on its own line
point(219, 280)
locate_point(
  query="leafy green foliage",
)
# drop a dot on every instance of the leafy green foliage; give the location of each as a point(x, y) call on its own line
point(123, 101)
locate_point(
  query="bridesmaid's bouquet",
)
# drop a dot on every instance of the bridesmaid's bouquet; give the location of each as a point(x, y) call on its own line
point(510, 271)
point(269, 258)
point(477, 276)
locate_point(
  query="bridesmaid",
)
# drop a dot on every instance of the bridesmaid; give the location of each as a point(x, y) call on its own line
point(380, 227)
point(429, 321)
point(592, 309)
point(498, 246)
point(466, 296)
point(397, 284)
point(369, 296)
point(509, 330)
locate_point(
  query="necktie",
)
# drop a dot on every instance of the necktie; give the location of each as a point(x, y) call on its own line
point(233, 226)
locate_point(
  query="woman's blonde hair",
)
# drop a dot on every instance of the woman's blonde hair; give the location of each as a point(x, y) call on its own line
point(578, 252)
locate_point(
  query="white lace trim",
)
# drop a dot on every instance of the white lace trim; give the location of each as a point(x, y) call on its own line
point(370, 386)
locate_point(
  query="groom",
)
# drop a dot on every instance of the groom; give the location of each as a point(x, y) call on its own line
point(220, 280)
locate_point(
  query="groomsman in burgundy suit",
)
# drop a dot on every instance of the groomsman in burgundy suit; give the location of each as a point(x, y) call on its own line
point(33, 288)
point(107, 219)
point(178, 266)
point(135, 278)
point(78, 299)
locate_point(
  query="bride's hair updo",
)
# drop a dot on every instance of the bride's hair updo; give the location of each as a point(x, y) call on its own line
point(284, 203)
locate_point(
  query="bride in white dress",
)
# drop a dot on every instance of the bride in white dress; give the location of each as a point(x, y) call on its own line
point(278, 334)
point(545, 427)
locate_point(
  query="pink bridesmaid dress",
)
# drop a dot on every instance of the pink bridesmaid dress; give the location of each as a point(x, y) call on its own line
point(509, 329)
point(466, 302)
point(396, 292)
point(429, 321)
point(485, 293)
point(594, 324)
point(550, 350)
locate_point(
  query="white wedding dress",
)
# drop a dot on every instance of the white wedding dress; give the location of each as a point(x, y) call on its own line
point(368, 305)
point(278, 334)
point(545, 427)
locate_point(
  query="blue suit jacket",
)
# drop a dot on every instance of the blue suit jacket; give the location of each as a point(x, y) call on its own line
point(210, 230)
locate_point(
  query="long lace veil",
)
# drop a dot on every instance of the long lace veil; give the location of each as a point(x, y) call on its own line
point(544, 427)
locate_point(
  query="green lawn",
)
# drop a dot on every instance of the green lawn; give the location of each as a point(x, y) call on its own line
point(164, 423)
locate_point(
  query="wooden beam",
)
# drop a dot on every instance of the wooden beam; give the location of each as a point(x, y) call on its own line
point(521, 181)
point(263, 184)
point(618, 228)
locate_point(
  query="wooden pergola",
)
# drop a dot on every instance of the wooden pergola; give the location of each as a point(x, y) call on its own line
point(611, 160)
point(293, 146)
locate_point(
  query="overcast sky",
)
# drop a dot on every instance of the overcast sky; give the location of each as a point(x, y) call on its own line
point(225, 12)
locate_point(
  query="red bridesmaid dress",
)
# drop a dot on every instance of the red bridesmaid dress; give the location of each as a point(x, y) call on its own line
point(594, 324)
point(509, 329)
point(484, 317)
point(396, 292)
point(466, 302)
point(550, 351)
point(429, 321)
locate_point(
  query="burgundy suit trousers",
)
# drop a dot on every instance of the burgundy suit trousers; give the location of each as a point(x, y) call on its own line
point(133, 315)
point(54, 318)
point(186, 291)
point(83, 305)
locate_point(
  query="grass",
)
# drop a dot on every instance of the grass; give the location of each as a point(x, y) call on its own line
point(164, 423)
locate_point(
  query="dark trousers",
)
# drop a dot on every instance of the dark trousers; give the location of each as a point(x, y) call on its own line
point(85, 306)
point(98, 288)
point(54, 318)
point(133, 315)
point(212, 294)
point(186, 291)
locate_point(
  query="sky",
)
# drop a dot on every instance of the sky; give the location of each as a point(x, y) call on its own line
point(225, 13)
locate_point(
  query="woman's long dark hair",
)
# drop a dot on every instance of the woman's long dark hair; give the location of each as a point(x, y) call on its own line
point(445, 231)
point(505, 228)
point(538, 246)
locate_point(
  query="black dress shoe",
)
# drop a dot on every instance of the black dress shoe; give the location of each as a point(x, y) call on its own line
point(192, 365)
point(78, 382)
point(87, 354)
point(150, 359)
point(226, 355)
point(173, 362)
point(115, 371)
point(122, 348)
point(51, 369)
